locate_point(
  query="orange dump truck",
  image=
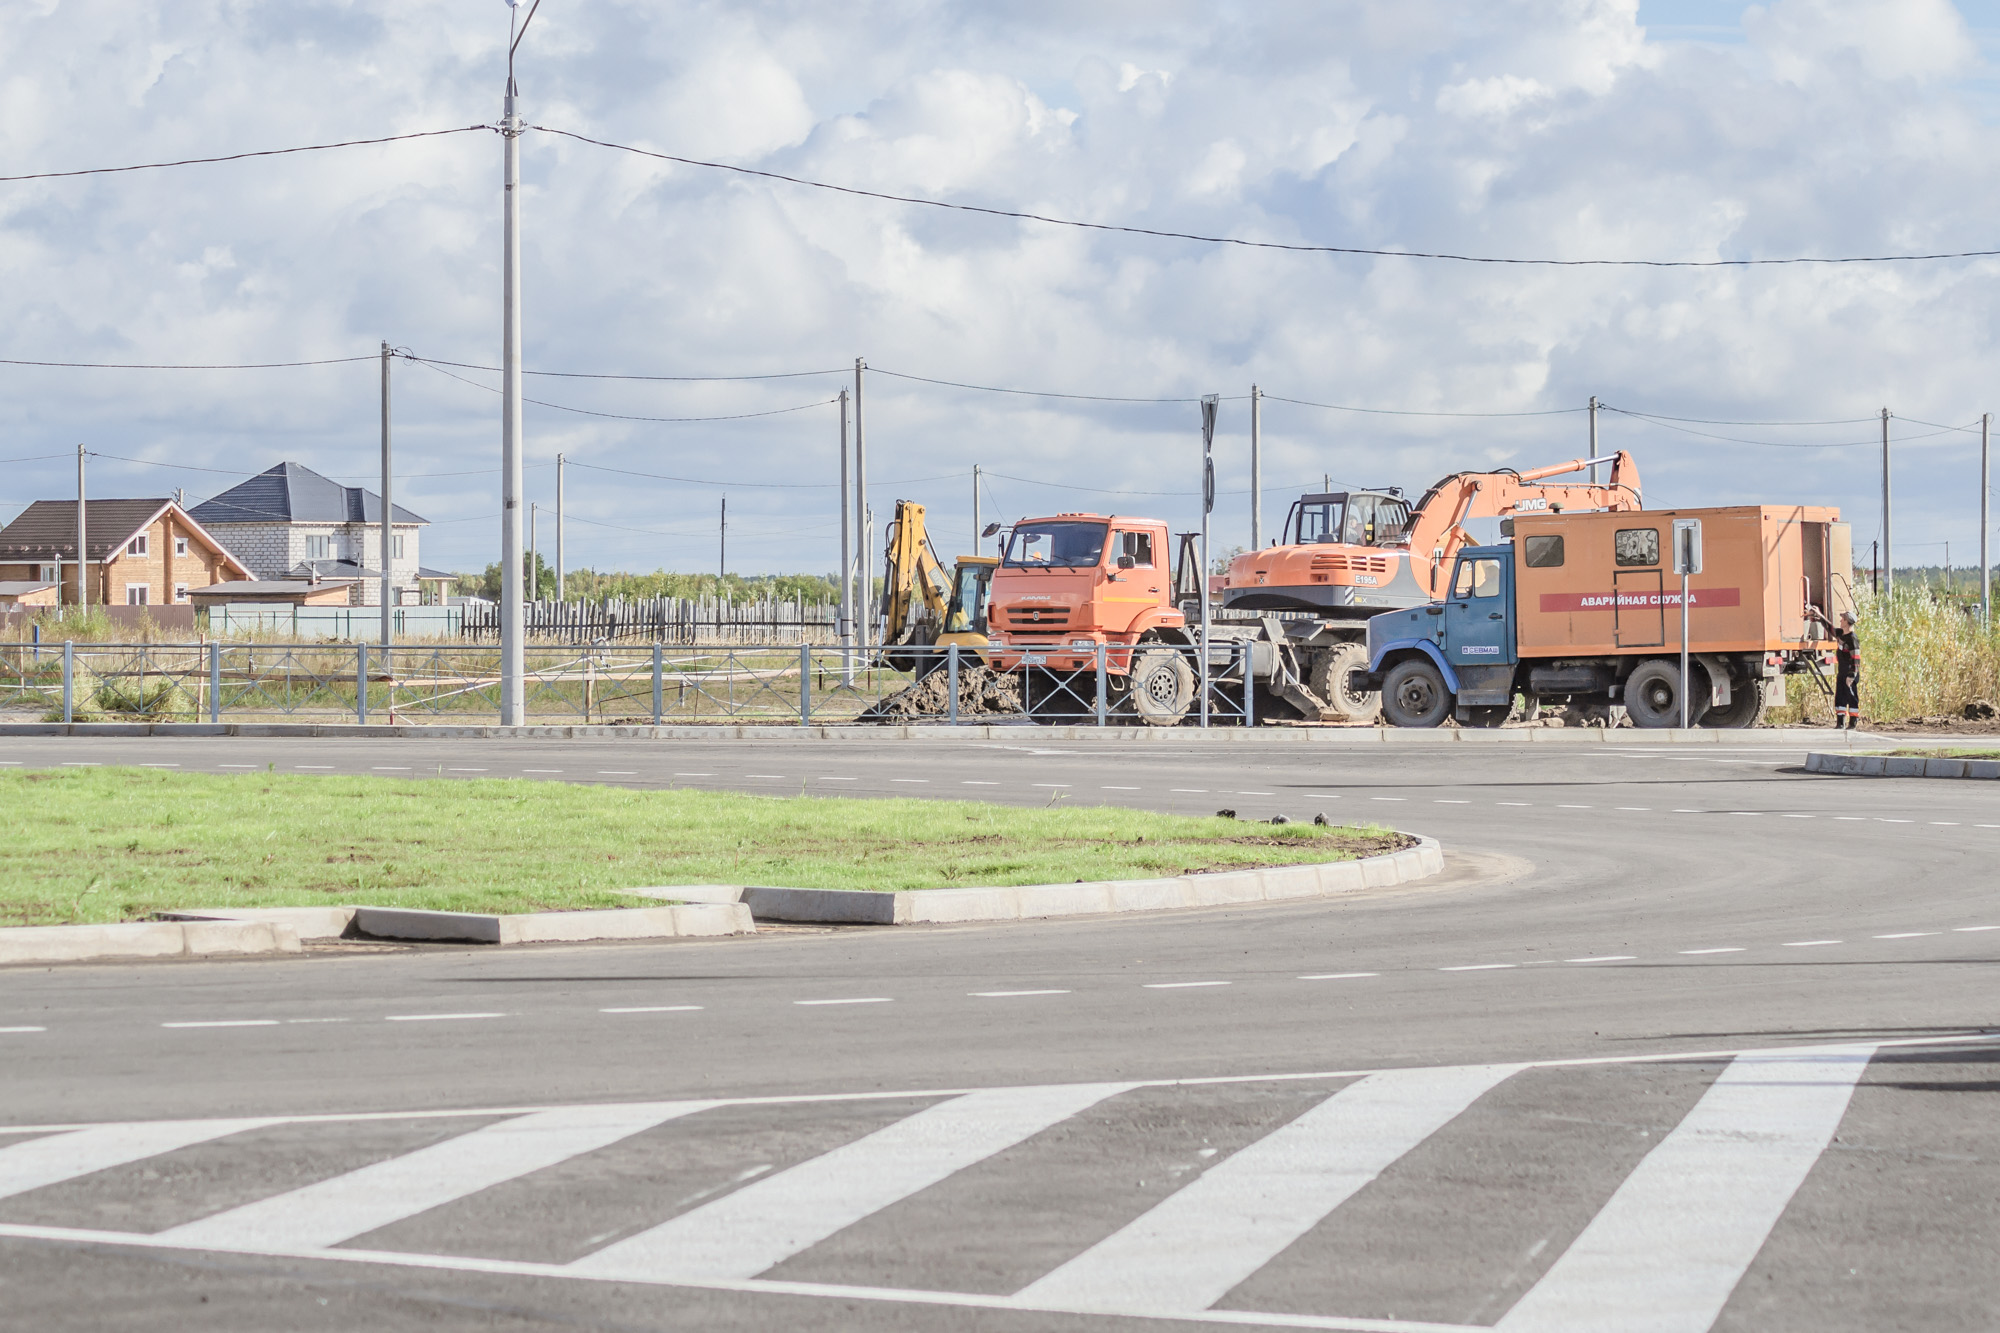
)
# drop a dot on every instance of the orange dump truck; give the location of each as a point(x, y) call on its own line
point(1586, 608)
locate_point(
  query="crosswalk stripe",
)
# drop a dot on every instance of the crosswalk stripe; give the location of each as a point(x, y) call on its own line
point(1665, 1253)
point(331, 1211)
point(742, 1234)
point(59, 1157)
point(1194, 1246)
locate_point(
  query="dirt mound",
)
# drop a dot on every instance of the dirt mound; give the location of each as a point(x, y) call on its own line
point(980, 691)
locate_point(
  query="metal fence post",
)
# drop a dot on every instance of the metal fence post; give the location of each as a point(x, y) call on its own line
point(215, 682)
point(1249, 684)
point(361, 684)
point(69, 680)
point(1102, 649)
point(805, 684)
point(658, 680)
point(951, 682)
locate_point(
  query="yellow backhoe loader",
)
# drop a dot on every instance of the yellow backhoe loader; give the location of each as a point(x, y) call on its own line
point(922, 606)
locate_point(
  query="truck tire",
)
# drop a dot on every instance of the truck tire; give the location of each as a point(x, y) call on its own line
point(1653, 695)
point(1414, 694)
point(1162, 688)
point(1328, 679)
point(1748, 702)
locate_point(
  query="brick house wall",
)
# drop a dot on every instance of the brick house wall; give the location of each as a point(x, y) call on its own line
point(273, 550)
point(176, 559)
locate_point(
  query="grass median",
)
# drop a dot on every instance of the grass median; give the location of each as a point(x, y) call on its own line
point(113, 844)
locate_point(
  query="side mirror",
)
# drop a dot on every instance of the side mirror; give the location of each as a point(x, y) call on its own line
point(1126, 562)
point(991, 528)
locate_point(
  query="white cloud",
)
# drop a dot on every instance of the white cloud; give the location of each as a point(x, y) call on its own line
point(1508, 128)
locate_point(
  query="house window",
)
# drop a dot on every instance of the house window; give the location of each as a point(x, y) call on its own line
point(135, 594)
point(319, 548)
point(180, 546)
point(180, 592)
point(141, 545)
point(49, 573)
point(399, 546)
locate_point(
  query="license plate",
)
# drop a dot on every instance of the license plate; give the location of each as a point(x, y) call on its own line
point(1034, 659)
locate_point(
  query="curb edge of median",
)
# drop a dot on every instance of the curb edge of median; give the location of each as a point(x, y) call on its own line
point(1901, 766)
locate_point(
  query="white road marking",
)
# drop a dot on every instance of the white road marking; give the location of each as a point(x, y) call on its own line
point(1909, 934)
point(742, 1234)
point(142, 765)
point(1851, 819)
point(1322, 795)
point(1986, 826)
point(780, 777)
point(617, 772)
point(1444, 802)
point(837, 779)
point(1118, 789)
point(973, 782)
point(16, 763)
point(651, 1009)
point(1009, 994)
point(1967, 930)
point(1881, 820)
point(1730, 948)
point(462, 770)
point(1337, 976)
point(1191, 791)
point(254, 766)
point(1051, 784)
point(541, 770)
point(435, 1018)
point(865, 999)
point(324, 768)
point(316, 1020)
point(1253, 793)
point(45, 1161)
point(925, 782)
point(1523, 804)
point(1751, 814)
point(1573, 807)
point(391, 768)
point(1637, 809)
point(1799, 816)
point(23, 1029)
point(1476, 967)
point(331, 1211)
point(1669, 1247)
point(1181, 985)
point(1605, 958)
point(227, 1023)
point(1388, 798)
point(1198, 1243)
point(1807, 944)
point(81, 763)
point(1944, 823)
point(694, 775)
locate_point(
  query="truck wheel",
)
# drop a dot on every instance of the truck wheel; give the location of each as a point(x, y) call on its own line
point(1328, 679)
point(1653, 696)
point(1162, 688)
point(1413, 694)
point(1746, 707)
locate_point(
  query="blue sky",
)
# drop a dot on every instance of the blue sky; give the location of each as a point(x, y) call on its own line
point(1568, 128)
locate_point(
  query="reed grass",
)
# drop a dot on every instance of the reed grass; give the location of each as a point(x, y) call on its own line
point(1923, 654)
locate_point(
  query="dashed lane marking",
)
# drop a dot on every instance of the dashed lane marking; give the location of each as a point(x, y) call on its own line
point(435, 1018)
point(1323, 795)
point(1636, 809)
point(1181, 985)
point(1944, 823)
point(1119, 789)
point(1388, 798)
point(694, 775)
point(1522, 804)
point(23, 1029)
point(1881, 820)
point(1476, 967)
point(541, 770)
point(1967, 930)
point(827, 779)
point(80, 763)
point(1011, 994)
point(1809, 944)
point(145, 765)
point(327, 768)
point(1851, 819)
point(1337, 976)
point(1197, 791)
point(617, 772)
point(651, 1009)
point(1605, 958)
point(974, 782)
point(1573, 807)
point(1728, 948)
point(226, 1023)
point(921, 782)
point(253, 766)
point(1051, 784)
point(391, 768)
point(859, 999)
point(780, 777)
point(1253, 793)
point(1909, 934)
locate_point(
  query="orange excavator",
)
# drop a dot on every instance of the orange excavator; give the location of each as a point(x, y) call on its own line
point(1345, 556)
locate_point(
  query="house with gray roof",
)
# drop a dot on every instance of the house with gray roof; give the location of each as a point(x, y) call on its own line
point(290, 523)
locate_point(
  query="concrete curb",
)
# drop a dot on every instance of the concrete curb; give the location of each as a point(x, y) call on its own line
point(714, 917)
point(1900, 766)
point(144, 939)
point(1034, 901)
point(869, 732)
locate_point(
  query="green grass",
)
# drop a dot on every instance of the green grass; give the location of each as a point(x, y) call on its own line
point(117, 844)
point(1940, 752)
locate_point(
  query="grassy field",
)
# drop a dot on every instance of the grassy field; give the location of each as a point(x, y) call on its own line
point(115, 844)
point(1921, 656)
point(1942, 752)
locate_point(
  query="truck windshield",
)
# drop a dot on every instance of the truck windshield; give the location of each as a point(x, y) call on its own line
point(1057, 544)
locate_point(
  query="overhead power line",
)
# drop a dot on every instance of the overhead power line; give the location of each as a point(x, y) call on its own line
point(239, 157)
point(1297, 247)
point(1416, 412)
point(132, 365)
point(603, 375)
point(623, 416)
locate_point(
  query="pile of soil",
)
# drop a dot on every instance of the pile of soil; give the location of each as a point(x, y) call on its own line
point(981, 690)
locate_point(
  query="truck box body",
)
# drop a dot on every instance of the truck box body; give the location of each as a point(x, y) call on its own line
point(1602, 584)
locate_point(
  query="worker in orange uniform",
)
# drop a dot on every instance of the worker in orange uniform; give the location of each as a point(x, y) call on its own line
point(1846, 671)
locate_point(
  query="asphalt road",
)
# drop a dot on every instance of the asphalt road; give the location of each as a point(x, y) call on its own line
point(1527, 1093)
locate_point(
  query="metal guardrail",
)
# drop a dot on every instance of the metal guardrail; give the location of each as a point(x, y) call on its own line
point(658, 684)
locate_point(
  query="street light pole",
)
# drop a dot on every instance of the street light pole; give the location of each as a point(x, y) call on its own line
point(513, 657)
point(1985, 519)
point(559, 528)
point(1256, 468)
point(1888, 549)
point(388, 509)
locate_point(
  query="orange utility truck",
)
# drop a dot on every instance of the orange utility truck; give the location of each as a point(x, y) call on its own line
point(1586, 608)
point(1348, 555)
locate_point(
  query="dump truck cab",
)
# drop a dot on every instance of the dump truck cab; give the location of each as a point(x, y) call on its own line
point(1067, 583)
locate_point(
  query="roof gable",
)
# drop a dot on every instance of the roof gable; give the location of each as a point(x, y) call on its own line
point(294, 493)
point(46, 530)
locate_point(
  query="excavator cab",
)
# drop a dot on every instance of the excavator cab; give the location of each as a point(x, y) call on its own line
point(965, 612)
point(1349, 518)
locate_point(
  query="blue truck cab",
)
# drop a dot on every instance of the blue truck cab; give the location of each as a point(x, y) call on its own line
point(1453, 656)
